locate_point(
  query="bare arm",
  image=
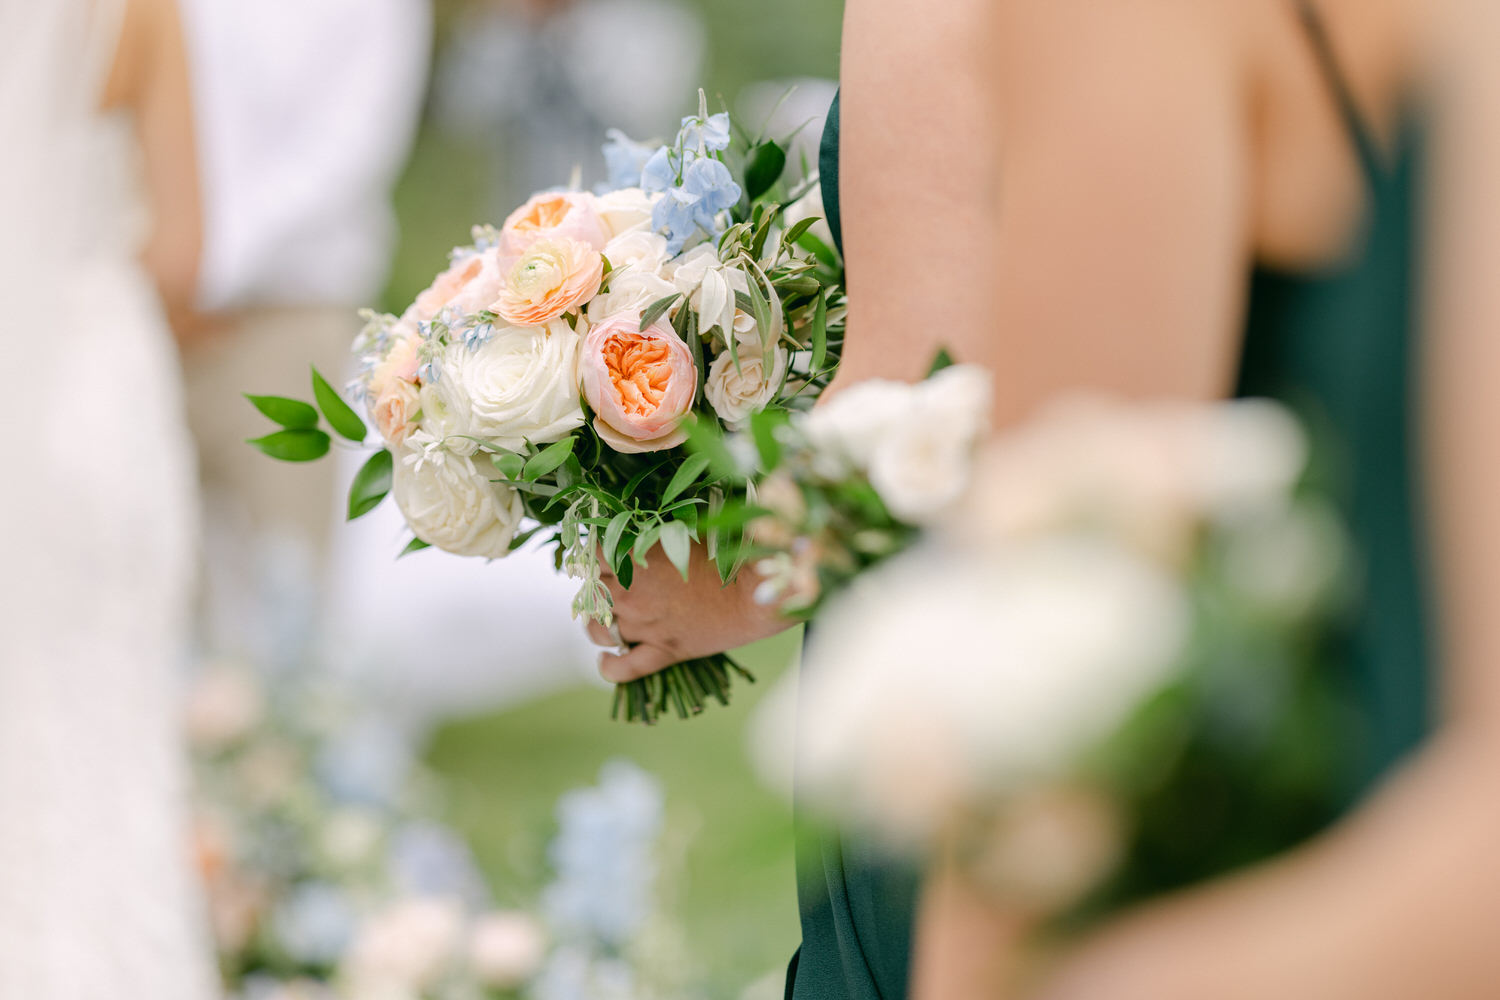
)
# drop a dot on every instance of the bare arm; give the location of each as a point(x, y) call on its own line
point(150, 78)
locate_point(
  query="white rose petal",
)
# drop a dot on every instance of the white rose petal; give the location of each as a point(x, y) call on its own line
point(737, 394)
point(637, 250)
point(632, 291)
point(520, 386)
point(451, 504)
point(626, 210)
point(847, 427)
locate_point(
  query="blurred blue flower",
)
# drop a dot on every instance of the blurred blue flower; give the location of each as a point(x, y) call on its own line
point(711, 133)
point(658, 173)
point(625, 159)
point(315, 924)
point(605, 857)
point(367, 764)
point(428, 859)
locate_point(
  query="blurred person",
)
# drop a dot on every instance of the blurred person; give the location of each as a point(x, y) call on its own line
point(306, 111)
point(1194, 201)
point(523, 74)
point(99, 198)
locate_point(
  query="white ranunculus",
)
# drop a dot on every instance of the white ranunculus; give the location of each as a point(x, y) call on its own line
point(445, 405)
point(736, 394)
point(942, 681)
point(521, 385)
point(408, 945)
point(625, 210)
point(631, 291)
point(450, 503)
point(637, 250)
point(506, 949)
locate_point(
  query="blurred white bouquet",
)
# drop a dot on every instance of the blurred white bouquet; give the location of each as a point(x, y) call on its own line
point(1116, 611)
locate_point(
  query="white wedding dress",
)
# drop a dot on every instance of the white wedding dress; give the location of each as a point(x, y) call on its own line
point(98, 900)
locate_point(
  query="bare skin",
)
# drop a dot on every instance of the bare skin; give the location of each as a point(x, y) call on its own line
point(149, 80)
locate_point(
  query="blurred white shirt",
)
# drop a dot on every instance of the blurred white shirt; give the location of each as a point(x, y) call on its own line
point(306, 111)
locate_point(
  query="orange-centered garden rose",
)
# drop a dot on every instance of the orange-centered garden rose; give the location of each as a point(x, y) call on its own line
point(557, 215)
point(552, 277)
point(640, 383)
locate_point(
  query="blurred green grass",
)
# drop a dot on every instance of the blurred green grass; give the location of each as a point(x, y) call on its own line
point(729, 885)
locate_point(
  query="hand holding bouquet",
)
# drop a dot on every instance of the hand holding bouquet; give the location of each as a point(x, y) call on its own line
point(544, 383)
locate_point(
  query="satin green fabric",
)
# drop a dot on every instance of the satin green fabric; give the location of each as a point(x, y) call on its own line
point(1337, 347)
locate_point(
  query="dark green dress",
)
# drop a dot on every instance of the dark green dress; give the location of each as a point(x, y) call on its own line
point(1337, 346)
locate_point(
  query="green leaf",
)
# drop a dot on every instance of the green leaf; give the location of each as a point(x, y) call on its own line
point(371, 483)
point(706, 437)
point(644, 541)
point(510, 464)
point(763, 169)
point(820, 334)
point(656, 309)
point(794, 234)
point(293, 445)
point(640, 477)
point(612, 534)
point(292, 414)
point(763, 429)
point(524, 537)
point(940, 361)
point(415, 545)
point(686, 475)
point(341, 416)
point(547, 459)
point(677, 543)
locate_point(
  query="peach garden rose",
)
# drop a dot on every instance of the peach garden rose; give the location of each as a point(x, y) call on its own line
point(552, 215)
point(640, 383)
point(552, 277)
point(469, 285)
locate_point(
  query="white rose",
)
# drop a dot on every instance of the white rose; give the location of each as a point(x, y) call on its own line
point(629, 292)
point(521, 385)
point(506, 949)
point(735, 395)
point(454, 506)
point(625, 210)
point(637, 250)
point(407, 945)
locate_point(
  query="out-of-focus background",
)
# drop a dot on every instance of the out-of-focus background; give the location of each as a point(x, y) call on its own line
point(476, 671)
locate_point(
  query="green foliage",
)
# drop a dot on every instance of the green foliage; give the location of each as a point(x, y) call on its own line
point(293, 445)
point(371, 483)
point(763, 169)
point(340, 415)
point(293, 414)
point(415, 545)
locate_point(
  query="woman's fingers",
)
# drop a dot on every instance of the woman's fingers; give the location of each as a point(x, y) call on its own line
point(600, 635)
point(634, 663)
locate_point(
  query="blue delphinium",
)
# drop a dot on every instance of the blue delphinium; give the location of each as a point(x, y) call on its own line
point(694, 184)
point(709, 132)
point(314, 924)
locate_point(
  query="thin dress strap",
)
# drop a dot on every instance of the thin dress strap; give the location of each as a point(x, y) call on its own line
point(1370, 155)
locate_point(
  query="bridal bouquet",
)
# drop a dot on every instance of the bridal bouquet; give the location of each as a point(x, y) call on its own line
point(1094, 669)
point(544, 383)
